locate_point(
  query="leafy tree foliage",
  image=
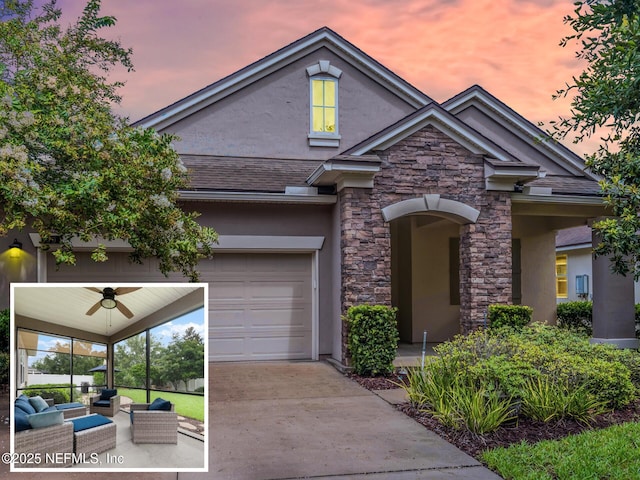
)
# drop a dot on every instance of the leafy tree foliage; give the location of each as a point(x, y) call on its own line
point(606, 102)
point(183, 358)
point(131, 360)
point(69, 166)
point(5, 327)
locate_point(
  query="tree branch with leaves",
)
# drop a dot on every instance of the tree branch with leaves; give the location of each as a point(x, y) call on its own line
point(71, 167)
point(606, 103)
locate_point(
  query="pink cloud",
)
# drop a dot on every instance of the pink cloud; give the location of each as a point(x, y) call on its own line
point(509, 47)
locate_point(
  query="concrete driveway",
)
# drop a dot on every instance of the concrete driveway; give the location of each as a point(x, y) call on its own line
point(285, 420)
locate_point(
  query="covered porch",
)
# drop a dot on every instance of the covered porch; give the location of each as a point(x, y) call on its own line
point(428, 257)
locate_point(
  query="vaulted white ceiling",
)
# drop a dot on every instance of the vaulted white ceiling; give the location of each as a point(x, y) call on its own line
point(67, 305)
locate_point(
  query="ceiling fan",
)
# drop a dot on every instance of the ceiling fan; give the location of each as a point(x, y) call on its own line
point(109, 299)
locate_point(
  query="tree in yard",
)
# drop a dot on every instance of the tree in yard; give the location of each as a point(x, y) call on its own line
point(184, 357)
point(71, 167)
point(130, 359)
point(606, 102)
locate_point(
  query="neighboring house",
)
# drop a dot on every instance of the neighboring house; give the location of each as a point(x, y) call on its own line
point(334, 182)
point(573, 265)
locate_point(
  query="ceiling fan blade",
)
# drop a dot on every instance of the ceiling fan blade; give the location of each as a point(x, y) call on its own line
point(93, 309)
point(93, 289)
point(124, 310)
point(123, 290)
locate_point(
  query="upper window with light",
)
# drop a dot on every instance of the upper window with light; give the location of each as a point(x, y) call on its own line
point(323, 109)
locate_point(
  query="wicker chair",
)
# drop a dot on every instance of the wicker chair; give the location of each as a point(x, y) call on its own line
point(108, 410)
point(43, 441)
point(153, 426)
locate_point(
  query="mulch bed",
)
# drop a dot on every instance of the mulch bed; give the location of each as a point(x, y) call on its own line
point(525, 429)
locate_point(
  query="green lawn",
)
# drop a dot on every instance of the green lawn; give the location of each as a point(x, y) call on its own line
point(191, 406)
point(612, 453)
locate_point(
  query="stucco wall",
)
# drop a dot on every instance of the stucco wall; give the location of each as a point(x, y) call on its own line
point(294, 220)
point(537, 239)
point(510, 141)
point(270, 118)
point(432, 310)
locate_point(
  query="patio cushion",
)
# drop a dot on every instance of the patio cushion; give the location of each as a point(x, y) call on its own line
point(160, 404)
point(102, 403)
point(21, 420)
point(38, 403)
point(46, 419)
point(67, 406)
point(49, 409)
point(131, 416)
point(107, 393)
point(89, 421)
point(25, 406)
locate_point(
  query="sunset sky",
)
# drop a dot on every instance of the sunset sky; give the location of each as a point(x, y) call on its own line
point(509, 47)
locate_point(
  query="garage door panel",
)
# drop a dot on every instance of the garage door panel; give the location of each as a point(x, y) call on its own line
point(259, 306)
point(279, 318)
point(227, 290)
point(277, 291)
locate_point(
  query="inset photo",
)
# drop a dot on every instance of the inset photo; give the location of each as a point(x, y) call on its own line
point(109, 377)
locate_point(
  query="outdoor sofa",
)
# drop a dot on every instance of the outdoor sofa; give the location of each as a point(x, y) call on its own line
point(42, 438)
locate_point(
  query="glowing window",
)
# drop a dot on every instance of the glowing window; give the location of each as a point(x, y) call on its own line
point(324, 106)
point(561, 277)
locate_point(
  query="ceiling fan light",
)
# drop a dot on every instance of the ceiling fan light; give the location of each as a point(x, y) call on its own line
point(108, 302)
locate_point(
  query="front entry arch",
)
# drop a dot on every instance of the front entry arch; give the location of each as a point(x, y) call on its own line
point(432, 204)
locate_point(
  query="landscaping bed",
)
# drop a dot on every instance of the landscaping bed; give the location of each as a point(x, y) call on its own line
point(528, 430)
point(525, 429)
point(535, 389)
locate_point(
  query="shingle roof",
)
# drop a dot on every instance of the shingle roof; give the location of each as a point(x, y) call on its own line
point(209, 172)
point(573, 236)
point(564, 185)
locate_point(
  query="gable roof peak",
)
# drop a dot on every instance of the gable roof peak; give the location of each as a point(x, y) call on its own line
point(322, 37)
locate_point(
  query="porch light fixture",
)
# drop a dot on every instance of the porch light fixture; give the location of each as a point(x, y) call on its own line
point(15, 248)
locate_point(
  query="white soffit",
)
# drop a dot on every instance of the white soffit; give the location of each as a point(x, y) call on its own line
point(67, 304)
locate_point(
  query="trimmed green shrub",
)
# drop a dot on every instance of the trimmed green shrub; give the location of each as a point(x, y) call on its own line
point(60, 394)
point(576, 316)
point(506, 360)
point(373, 338)
point(514, 316)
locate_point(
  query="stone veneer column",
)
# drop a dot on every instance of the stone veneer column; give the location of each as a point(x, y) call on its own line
point(485, 261)
point(366, 253)
point(613, 304)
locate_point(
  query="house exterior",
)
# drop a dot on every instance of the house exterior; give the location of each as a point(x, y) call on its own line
point(334, 182)
point(574, 248)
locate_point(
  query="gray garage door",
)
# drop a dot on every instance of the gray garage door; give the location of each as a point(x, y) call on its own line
point(260, 305)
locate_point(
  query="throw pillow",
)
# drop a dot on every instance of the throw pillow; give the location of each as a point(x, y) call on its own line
point(160, 404)
point(46, 419)
point(21, 420)
point(24, 405)
point(38, 403)
point(107, 393)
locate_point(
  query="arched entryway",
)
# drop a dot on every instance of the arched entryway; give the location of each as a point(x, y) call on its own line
point(425, 259)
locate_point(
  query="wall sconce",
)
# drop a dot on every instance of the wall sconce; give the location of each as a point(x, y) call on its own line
point(15, 248)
